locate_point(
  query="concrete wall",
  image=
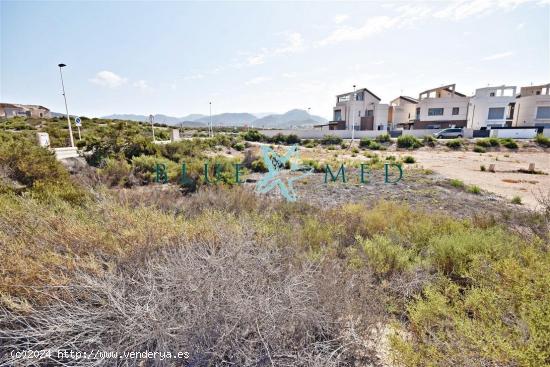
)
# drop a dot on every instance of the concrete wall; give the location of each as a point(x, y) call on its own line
point(344, 134)
point(352, 110)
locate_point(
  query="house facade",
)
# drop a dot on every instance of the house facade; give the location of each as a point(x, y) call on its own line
point(440, 108)
point(361, 109)
point(491, 106)
point(532, 106)
point(9, 110)
point(402, 112)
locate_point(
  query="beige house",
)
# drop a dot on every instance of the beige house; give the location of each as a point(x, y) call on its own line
point(440, 108)
point(532, 106)
point(360, 109)
point(402, 112)
point(9, 110)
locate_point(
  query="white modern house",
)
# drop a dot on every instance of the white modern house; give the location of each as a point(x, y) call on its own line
point(361, 109)
point(440, 108)
point(532, 106)
point(9, 110)
point(402, 112)
point(491, 106)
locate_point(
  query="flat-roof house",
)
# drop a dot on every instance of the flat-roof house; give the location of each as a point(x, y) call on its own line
point(532, 106)
point(402, 112)
point(440, 108)
point(9, 110)
point(491, 106)
point(361, 109)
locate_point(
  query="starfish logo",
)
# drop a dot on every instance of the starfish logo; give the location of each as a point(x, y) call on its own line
point(277, 175)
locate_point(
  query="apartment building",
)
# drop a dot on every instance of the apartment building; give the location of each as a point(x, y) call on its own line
point(402, 112)
point(532, 106)
point(491, 106)
point(440, 108)
point(361, 109)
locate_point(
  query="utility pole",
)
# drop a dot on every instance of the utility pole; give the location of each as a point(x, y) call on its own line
point(151, 119)
point(66, 108)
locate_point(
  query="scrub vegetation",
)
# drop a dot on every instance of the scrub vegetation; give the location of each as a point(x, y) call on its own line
point(92, 260)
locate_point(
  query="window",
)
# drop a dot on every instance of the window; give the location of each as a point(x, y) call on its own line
point(492, 94)
point(543, 112)
point(370, 113)
point(496, 113)
point(343, 98)
point(418, 113)
point(360, 96)
point(337, 115)
point(456, 110)
point(435, 111)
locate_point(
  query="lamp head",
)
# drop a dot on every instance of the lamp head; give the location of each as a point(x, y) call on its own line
point(61, 65)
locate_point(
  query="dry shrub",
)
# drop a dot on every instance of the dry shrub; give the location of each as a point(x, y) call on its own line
point(230, 302)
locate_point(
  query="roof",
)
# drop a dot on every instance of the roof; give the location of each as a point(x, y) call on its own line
point(445, 87)
point(9, 105)
point(360, 90)
point(409, 99)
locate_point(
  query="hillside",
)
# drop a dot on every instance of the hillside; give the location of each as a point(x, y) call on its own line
point(294, 117)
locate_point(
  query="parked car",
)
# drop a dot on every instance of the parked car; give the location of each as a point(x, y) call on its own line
point(450, 133)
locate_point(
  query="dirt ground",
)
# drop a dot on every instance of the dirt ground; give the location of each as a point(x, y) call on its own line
point(506, 181)
point(465, 165)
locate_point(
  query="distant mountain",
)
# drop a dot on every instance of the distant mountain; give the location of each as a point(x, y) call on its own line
point(298, 118)
point(292, 118)
point(229, 119)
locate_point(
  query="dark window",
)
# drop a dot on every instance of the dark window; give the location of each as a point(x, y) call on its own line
point(492, 94)
point(417, 113)
point(337, 115)
point(435, 111)
point(456, 110)
point(543, 112)
point(496, 113)
point(360, 96)
point(370, 113)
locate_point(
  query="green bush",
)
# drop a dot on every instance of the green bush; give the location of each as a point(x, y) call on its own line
point(482, 168)
point(488, 142)
point(479, 149)
point(408, 141)
point(331, 140)
point(474, 189)
point(408, 159)
point(374, 145)
point(365, 142)
point(516, 200)
point(542, 140)
point(258, 166)
point(254, 135)
point(239, 147)
point(383, 138)
point(429, 140)
point(454, 143)
point(456, 183)
point(509, 143)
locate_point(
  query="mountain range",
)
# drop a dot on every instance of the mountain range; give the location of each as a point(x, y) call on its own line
point(292, 118)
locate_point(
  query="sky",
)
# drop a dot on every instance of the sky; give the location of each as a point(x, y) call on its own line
point(174, 57)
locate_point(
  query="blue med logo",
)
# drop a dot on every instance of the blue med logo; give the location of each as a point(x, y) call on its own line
point(78, 121)
point(278, 176)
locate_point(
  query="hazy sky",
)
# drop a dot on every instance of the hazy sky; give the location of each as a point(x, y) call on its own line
point(174, 57)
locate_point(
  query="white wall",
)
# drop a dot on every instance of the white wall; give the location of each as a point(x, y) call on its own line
point(525, 111)
point(447, 103)
point(344, 134)
point(480, 103)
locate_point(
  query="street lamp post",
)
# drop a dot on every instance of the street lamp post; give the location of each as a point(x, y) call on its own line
point(151, 119)
point(353, 119)
point(66, 108)
point(210, 130)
